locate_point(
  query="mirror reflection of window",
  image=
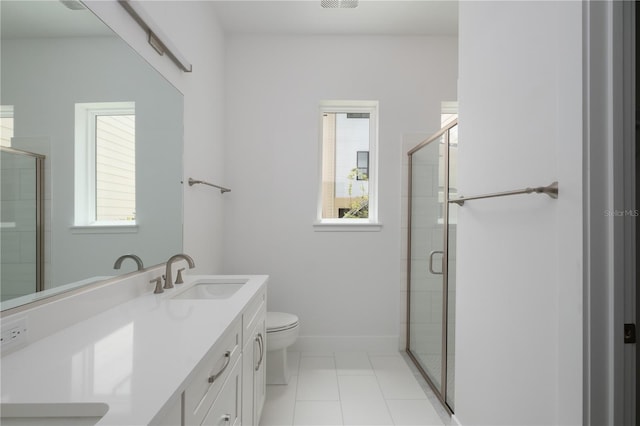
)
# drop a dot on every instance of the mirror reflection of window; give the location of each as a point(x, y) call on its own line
point(105, 163)
point(6, 125)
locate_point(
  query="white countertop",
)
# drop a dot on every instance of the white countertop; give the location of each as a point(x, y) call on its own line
point(133, 357)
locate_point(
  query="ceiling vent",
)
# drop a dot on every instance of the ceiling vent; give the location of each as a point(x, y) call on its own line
point(341, 4)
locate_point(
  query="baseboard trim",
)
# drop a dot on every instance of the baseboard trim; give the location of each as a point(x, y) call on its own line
point(346, 343)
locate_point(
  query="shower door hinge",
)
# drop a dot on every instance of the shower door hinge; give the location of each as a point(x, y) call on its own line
point(629, 333)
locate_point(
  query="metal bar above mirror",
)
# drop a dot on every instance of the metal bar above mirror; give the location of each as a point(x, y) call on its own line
point(157, 39)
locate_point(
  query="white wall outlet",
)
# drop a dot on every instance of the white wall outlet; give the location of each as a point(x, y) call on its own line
point(13, 334)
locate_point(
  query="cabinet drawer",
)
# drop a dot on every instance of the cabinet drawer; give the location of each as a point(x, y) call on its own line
point(225, 411)
point(210, 376)
point(251, 314)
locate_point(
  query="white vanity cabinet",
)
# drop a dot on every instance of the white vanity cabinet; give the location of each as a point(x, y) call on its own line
point(185, 360)
point(254, 360)
point(228, 386)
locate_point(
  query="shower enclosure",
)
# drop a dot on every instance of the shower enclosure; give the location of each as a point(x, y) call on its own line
point(431, 260)
point(21, 223)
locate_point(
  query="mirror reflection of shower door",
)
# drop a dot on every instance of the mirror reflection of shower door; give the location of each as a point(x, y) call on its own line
point(21, 254)
point(431, 298)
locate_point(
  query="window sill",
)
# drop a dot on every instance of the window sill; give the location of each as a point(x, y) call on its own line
point(346, 227)
point(105, 229)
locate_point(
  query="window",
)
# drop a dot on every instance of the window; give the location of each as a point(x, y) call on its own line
point(348, 164)
point(105, 169)
point(6, 125)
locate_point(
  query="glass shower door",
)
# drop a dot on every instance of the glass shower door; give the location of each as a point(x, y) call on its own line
point(426, 272)
point(431, 300)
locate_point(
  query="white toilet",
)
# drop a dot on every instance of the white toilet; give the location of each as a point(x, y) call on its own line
point(282, 332)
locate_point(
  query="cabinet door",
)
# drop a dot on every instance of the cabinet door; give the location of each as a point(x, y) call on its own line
point(259, 374)
point(253, 372)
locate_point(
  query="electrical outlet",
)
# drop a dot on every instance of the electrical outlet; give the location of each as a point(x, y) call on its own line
point(14, 333)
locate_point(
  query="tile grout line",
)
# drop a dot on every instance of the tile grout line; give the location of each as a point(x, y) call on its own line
point(295, 397)
point(335, 364)
point(380, 387)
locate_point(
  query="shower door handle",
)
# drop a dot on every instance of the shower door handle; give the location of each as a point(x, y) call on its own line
point(431, 262)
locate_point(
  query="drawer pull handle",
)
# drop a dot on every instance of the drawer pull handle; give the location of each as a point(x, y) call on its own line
point(261, 344)
point(227, 359)
point(226, 418)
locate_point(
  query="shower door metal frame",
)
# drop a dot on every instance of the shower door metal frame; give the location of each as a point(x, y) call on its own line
point(39, 159)
point(442, 392)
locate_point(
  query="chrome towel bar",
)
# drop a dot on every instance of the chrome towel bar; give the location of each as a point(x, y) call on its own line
point(222, 189)
point(551, 190)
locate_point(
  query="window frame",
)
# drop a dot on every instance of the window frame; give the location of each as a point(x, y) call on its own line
point(351, 224)
point(85, 168)
point(7, 111)
point(360, 171)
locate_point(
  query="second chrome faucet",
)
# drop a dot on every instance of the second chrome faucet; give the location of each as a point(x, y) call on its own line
point(168, 276)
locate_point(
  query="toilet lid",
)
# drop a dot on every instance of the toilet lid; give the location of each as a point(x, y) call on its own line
point(278, 321)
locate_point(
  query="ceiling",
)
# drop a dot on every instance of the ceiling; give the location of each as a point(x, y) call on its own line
point(24, 19)
point(307, 17)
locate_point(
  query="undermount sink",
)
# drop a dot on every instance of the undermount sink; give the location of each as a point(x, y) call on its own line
point(54, 414)
point(212, 289)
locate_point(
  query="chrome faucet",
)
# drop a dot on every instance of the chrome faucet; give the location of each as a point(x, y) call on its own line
point(130, 256)
point(167, 276)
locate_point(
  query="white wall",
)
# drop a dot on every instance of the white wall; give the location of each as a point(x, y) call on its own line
point(519, 300)
point(192, 27)
point(344, 286)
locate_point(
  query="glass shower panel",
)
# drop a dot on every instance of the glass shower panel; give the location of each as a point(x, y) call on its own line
point(19, 255)
point(426, 245)
point(451, 265)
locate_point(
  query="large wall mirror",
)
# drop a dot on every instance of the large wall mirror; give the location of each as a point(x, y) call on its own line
point(109, 128)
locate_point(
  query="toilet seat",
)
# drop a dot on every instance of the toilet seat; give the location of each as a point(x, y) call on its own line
point(282, 332)
point(280, 321)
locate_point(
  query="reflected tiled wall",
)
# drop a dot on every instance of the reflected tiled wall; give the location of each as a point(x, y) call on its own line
point(18, 217)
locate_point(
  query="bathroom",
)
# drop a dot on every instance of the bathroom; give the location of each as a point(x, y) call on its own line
point(348, 288)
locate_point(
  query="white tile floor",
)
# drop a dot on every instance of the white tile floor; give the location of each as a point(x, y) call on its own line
point(353, 388)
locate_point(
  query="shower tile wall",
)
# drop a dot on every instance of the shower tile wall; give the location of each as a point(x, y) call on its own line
point(18, 247)
point(408, 142)
point(42, 145)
